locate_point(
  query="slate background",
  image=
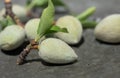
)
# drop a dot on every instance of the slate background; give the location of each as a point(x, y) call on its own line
point(96, 59)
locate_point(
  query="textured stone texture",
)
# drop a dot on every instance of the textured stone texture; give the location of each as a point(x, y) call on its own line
point(96, 59)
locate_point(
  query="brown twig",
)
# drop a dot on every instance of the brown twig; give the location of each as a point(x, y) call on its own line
point(23, 55)
point(26, 51)
point(34, 47)
point(8, 6)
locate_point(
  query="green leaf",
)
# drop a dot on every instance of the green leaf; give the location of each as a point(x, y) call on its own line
point(47, 19)
point(10, 21)
point(4, 22)
point(55, 29)
point(35, 3)
point(43, 3)
point(58, 3)
point(28, 2)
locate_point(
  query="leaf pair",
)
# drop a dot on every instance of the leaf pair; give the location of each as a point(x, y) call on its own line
point(46, 22)
point(55, 29)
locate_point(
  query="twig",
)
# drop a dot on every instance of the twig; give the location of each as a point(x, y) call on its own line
point(26, 51)
point(23, 55)
point(8, 6)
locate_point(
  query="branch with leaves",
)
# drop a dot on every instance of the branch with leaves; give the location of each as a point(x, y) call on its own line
point(48, 27)
point(44, 27)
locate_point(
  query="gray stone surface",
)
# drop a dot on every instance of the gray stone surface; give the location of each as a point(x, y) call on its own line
point(96, 59)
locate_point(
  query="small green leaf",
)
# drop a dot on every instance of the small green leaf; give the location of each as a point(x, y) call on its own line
point(10, 21)
point(58, 3)
point(43, 3)
point(55, 29)
point(35, 3)
point(28, 2)
point(4, 22)
point(47, 19)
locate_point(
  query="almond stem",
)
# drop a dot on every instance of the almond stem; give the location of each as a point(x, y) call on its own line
point(8, 6)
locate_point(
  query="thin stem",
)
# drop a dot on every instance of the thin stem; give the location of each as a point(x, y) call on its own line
point(89, 24)
point(23, 54)
point(30, 6)
point(26, 51)
point(8, 6)
point(87, 13)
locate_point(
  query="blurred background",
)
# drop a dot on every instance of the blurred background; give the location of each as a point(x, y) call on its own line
point(104, 7)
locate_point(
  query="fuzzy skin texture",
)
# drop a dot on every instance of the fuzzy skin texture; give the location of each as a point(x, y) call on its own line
point(74, 28)
point(0, 28)
point(108, 30)
point(12, 37)
point(31, 28)
point(56, 51)
point(1, 18)
point(19, 10)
